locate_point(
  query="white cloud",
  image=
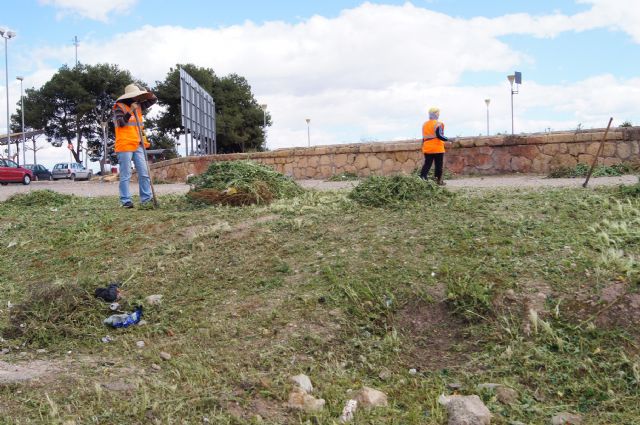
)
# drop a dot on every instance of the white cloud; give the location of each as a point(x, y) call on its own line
point(372, 71)
point(98, 10)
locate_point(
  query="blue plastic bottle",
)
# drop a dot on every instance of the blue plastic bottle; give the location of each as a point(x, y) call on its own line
point(124, 320)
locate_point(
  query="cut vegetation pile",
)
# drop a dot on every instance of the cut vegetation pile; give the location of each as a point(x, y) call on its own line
point(239, 183)
point(42, 198)
point(50, 311)
point(394, 191)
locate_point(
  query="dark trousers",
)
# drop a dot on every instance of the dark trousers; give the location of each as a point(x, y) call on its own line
point(429, 158)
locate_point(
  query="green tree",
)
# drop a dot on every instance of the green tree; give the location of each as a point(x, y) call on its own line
point(71, 106)
point(239, 118)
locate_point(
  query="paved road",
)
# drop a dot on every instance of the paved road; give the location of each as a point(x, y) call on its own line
point(84, 188)
point(97, 188)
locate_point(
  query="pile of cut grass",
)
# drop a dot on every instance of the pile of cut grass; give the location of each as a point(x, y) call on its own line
point(395, 191)
point(50, 311)
point(239, 183)
point(40, 198)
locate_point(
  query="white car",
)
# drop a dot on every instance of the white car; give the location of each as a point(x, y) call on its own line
point(70, 170)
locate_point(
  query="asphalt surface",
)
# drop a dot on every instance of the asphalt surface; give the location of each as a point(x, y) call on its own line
point(98, 188)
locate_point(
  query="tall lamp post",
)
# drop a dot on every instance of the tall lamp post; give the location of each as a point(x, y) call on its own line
point(6, 34)
point(308, 120)
point(487, 101)
point(515, 78)
point(24, 150)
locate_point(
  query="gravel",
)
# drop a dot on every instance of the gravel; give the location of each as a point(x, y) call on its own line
point(97, 188)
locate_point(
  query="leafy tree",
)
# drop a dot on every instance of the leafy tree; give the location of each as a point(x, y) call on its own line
point(71, 106)
point(239, 118)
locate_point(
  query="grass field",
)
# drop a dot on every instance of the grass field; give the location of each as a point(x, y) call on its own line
point(532, 289)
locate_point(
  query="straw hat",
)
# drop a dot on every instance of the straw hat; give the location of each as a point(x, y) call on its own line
point(132, 91)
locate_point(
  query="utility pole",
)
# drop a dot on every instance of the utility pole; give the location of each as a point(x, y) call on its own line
point(308, 120)
point(6, 34)
point(487, 101)
point(76, 43)
point(24, 150)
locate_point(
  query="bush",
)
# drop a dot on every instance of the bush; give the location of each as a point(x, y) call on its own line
point(581, 170)
point(382, 191)
point(241, 183)
point(42, 198)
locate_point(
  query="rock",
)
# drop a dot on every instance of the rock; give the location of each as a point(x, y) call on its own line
point(413, 371)
point(155, 299)
point(41, 351)
point(303, 382)
point(488, 386)
point(566, 418)
point(466, 410)
point(140, 344)
point(165, 356)
point(349, 411)
point(119, 386)
point(155, 367)
point(506, 395)
point(4, 351)
point(370, 398)
point(299, 400)
point(142, 322)
point(384, 374)
point(454, 385)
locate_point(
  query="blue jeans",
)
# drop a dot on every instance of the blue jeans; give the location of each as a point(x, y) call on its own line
point(144, 181)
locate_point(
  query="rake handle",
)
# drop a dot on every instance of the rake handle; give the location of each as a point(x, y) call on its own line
point(600, 149)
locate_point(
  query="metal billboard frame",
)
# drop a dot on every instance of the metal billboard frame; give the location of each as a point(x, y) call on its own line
point(198, 111)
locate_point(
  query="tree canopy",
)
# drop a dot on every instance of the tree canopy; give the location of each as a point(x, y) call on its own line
point(239, 118)
point(71, 106)
point(73, 103)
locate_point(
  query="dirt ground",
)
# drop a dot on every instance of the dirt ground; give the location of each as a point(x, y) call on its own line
point(97, 188)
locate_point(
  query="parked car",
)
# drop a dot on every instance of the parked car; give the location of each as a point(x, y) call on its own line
point(39, 172)
point(70, 170)
point(10, 172)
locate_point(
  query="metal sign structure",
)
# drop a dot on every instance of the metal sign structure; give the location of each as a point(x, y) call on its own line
point(198, 112)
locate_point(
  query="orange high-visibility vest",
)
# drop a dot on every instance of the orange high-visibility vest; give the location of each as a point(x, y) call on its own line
point(430, 143)
point(127, 137)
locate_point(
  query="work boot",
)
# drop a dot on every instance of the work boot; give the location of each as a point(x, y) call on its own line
point(440, 182)
point(127, 204)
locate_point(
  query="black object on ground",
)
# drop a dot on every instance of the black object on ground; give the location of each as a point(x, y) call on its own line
point(109, 294)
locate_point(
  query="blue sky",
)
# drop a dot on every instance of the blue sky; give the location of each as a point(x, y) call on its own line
point(360, 70)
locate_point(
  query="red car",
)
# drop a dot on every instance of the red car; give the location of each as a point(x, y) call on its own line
point(10, 172)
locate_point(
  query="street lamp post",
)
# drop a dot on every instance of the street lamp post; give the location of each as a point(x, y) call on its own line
point(517, 78)
point(308, 120)
point(487, 101)
point(24, 150)
point(6, 34)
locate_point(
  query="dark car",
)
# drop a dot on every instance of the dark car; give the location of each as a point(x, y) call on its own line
point(10, 172)
point(39, 172)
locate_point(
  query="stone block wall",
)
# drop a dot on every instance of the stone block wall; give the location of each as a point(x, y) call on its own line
point(532, 153)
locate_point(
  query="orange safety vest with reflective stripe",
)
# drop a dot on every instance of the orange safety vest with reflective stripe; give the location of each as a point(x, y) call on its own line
point(127, 136)
point(430, 142)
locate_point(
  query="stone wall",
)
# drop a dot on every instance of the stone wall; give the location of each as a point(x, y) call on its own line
point(531, 153)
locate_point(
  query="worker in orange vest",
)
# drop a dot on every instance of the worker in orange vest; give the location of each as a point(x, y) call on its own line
point(433, 145)
point(128, 145)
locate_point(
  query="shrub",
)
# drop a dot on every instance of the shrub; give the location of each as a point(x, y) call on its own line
point(581, 170)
